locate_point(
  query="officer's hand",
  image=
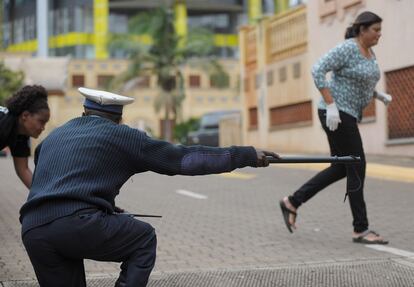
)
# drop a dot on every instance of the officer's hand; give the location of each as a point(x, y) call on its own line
point(262, 160)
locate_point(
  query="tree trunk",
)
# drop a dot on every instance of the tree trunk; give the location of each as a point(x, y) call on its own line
point(167, 126)
point(168, 85)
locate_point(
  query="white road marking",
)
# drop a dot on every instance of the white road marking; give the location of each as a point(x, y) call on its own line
point(237, 175)
point(191, 194)
point(392, 250)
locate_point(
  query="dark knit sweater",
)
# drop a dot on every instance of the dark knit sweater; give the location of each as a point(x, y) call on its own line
point(19, 144)
point(85, 162)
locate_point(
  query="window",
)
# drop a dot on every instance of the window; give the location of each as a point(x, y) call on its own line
point(253, 117)
point(6, 34)
point(103, 66)
point(215, 22)
point(299, 113)
point(282, 74)
point(400, 119)
point(246, 85)
point(118, 23)
point(296, 70)
point(144, 82)
point(104, 80)
point(195, 81)
point(269, 78)
point(257, 81)
point(78, 81)
point(219, 81)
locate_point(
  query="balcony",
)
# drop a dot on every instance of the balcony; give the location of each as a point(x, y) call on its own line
point(286, 35)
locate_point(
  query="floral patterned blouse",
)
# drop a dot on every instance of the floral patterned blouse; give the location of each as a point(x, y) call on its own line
point(353, 80)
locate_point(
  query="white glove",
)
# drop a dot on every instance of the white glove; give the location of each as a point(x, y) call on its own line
point(332, 117)
point(383, 97)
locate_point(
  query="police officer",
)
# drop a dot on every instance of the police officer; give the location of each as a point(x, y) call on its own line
point(25, 115)
point(80, 168)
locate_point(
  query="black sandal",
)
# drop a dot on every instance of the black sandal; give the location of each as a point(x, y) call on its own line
point(286, 212)
point(363, 240)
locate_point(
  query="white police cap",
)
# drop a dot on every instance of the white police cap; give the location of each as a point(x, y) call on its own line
point(104, 101)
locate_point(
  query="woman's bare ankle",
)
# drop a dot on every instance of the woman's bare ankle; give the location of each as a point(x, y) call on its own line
point(288, 204)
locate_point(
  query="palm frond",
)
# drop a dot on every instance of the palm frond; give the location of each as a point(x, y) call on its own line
point(126, 42)
point(148, 22)
point(165, 56)
point(199, 43)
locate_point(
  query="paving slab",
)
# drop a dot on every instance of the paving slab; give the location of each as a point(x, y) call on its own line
point(390, 273)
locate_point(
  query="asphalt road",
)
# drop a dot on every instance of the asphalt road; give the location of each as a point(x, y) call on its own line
point(227, 230)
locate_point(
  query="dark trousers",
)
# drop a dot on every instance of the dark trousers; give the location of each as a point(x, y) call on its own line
point(57, 249)
point(346, 140)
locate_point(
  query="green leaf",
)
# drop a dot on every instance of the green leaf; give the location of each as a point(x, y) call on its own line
point(10, 82)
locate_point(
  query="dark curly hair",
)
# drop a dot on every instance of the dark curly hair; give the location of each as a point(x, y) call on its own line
point(29, 98)
point(364, 20)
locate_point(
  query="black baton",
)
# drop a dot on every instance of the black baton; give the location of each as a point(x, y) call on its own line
point(142, 215)
point(315, 159)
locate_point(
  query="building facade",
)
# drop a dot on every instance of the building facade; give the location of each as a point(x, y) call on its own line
point(280, 98)
point(202, 95)
point(388, 130)
point(80, 28)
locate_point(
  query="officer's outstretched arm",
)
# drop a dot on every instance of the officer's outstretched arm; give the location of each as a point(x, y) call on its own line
point(166, 158)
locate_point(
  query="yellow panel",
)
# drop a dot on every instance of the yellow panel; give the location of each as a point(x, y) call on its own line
point(255, 10)
point(180, 10)
point(100, 19)
point(28, 46)
point(59, 41)
point(226, 40)
point(144, 39)
point(71, 39)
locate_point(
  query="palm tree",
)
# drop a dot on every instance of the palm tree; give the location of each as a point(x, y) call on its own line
point(164, 56)
point(10, 82)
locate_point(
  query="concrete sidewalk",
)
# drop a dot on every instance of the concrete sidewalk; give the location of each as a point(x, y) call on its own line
point(401, 161)
point(382, 167)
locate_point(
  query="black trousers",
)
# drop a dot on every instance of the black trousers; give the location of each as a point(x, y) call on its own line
point(57, 249)
point(346, 140)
